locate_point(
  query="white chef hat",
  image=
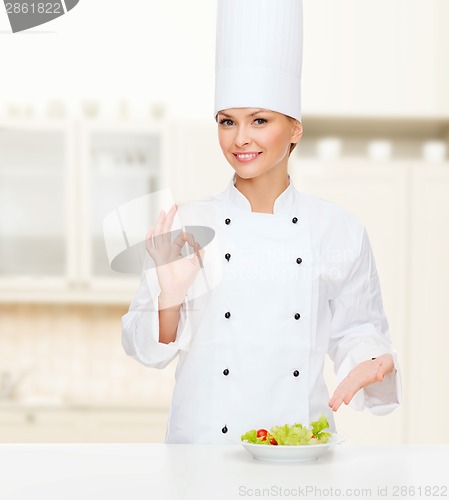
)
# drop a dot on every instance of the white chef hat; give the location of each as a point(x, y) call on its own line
point(258, 59)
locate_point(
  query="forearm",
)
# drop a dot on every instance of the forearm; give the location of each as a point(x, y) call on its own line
point(168, 318)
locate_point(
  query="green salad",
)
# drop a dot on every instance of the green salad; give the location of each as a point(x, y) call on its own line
point(292, 435)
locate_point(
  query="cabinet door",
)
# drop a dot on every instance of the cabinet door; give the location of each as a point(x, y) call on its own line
point(428, 339)
point(144, 426)
point(378, 195)
point(120, 163)
point(41, 426)
point(34, 201)
point(83, 426)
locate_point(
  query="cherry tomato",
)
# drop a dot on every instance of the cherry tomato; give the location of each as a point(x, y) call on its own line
point(262, 434)
point(273, 441)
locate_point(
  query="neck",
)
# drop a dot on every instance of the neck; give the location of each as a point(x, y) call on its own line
point(262, 191)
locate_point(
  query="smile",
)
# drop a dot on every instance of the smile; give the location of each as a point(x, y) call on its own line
point(245, 157)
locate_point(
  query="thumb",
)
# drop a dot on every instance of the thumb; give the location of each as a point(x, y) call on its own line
point(380, 373)
point(198, 254)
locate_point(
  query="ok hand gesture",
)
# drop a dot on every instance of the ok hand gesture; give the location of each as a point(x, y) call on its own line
point(175, 272)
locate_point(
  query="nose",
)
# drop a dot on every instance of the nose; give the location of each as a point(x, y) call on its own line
point(241, 136)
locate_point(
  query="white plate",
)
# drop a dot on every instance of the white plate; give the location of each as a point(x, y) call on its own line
point(285, 453)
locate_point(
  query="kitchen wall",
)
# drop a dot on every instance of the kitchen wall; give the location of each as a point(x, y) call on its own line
point(72, 354)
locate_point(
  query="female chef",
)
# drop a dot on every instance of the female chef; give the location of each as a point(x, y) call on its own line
point(286, 278)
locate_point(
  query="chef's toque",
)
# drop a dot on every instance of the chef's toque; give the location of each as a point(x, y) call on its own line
point(258, 59)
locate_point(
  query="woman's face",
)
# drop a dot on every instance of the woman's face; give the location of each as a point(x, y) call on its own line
point(265, 135)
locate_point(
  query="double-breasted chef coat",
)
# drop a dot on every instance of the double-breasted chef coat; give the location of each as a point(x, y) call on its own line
point(277, 293)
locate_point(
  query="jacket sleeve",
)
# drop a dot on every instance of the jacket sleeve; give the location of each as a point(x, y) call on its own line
point(140, 326)
point(360, 331)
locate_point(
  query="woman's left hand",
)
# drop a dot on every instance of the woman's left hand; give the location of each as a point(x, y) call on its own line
point(364, 374)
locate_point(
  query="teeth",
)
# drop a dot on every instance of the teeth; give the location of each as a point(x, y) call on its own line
point(247, 156)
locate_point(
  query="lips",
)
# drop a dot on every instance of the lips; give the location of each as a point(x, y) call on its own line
point(247, 156)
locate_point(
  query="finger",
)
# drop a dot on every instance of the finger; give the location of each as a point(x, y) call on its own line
point(169, 219)
point(346, 390)
point(349, 395)
point(385, 368)
point(167, 225)
point(380, 373)
point(196, 254)
point(200, 254)
point(335, 402)
point(150, 233)
point(190, 239)
point(159, 223)
point(177, 246)
point(337, 397)
point(149, 245)
point(149, 236)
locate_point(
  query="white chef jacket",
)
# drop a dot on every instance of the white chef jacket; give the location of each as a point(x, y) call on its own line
point(277, 292)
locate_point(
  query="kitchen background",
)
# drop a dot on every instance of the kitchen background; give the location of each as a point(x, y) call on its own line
point(119, 112)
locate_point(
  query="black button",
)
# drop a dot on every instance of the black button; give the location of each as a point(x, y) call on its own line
point(224, 430)
point(297, 316)
point(296, 373)
point(228, 256)
point(227, 221)
point(227, 315)
point(226, 372)
point(298, 260)
point(295, 220)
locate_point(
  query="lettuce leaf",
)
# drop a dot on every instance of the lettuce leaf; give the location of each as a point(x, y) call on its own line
point(251, 437)
point(318, 427)
point(294, 435)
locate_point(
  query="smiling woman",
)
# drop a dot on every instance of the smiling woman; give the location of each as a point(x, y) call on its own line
point(252, 347)
point(261, 125)
point(257, 144)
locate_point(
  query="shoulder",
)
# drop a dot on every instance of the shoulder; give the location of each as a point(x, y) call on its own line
point(331, 221)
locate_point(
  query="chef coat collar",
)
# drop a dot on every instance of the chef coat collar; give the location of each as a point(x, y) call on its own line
point(284, 201)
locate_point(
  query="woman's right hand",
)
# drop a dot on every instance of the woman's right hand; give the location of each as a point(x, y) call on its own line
point(174, 271)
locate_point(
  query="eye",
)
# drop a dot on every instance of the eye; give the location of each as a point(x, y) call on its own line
point(260, 120)
point(224, 120)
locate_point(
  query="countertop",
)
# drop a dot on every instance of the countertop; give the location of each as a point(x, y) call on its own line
point(197, 472)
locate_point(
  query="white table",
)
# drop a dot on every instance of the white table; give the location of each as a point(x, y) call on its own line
point(197, 472)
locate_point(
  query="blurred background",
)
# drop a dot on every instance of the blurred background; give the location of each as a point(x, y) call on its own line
point(106, 104)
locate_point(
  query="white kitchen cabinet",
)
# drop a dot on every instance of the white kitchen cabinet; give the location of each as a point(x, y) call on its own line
point(427, 344)
point(119, 163)
point(123, 426)
point(377, 193)
point(89, 425)
point(39, 425)
point(58, 181)
point(35, 202)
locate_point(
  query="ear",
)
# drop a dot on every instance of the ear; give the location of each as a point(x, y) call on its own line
point(296, 131)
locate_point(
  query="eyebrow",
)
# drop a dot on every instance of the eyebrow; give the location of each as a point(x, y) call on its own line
point(251, 114)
